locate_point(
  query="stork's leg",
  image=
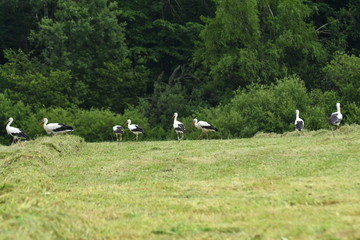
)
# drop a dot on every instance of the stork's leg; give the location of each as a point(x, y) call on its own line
point(137, 137)
point(120, 137)
point(182, 136)
point(207, 135)
point(200, 135)
point(177, 134)
point(338, 128)
point(332, 129)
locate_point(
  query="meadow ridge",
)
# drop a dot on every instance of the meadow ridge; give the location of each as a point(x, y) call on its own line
point(271, 186)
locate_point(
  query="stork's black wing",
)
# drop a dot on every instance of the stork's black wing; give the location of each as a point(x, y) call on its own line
point(63, 127)
point(21, 134)
point(119, 129)
point(334, 119)
point(299, 125)
point(138, 128)
point(210, 127)
point(180, 128)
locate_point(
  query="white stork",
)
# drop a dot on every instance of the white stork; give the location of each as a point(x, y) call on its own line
point(134, 128)
point(179, 127)
point(119, 131)
point(205, 127)
point(16, 133)
point(299, 123)
point(55, 128)
point(336, 117)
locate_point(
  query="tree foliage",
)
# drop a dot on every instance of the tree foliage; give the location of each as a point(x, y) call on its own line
point(271, 40)
point(343, 72)
point(251, 60)
point(29, 82)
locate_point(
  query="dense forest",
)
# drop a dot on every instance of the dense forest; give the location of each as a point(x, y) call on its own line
point(243, 65)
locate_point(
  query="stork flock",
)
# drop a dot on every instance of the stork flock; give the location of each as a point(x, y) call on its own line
point(205, 127)
point(50, 128)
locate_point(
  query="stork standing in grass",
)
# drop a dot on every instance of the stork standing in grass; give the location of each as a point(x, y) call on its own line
point(179, 127)
point(336, 117)
point(16, 133)
point(205, 127)
point(119, 131)
point(299, 123)
point(135, 129)
point(55, 128)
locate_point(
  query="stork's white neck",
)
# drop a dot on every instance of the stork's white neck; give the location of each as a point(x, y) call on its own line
point(338, 107)
point(297, 113)
point(9, 123)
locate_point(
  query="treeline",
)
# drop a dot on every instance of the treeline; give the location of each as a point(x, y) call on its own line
point(245, 66)
point(266, 108)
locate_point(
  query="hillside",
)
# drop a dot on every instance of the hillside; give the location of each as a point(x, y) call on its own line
point(270, 186)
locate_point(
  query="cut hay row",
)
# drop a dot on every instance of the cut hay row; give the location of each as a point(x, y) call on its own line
point(25, 179)
point(272, 186)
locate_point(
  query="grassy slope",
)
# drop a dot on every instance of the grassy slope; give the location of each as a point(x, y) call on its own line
point(268, 187)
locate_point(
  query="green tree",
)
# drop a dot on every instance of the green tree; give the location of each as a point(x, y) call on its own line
point(343, 73)
point(122, 83)
point(29, 81)
point(17, 19)
point(85, 37)
point(257, 42)
point(161, 34)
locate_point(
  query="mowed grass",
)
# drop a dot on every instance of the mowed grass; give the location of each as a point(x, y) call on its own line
point(267, 187)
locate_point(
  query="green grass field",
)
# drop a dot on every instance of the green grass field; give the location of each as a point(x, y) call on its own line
point(267, 187)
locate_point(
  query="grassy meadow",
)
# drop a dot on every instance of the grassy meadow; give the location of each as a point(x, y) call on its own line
point(270, 186)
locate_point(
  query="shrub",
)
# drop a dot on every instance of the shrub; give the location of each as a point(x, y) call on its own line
point(272, 108)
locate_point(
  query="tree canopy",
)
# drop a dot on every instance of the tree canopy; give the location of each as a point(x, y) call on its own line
point(174, 55)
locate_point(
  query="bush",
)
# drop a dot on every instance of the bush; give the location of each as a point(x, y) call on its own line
point(96, 125)
point(266, 108)
point(258, 108)
point(271, 108)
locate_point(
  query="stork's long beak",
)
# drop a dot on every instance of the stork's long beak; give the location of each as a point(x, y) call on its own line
point(40, 123)
point(172, 116)
point(6, 122)
point(193, 123)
